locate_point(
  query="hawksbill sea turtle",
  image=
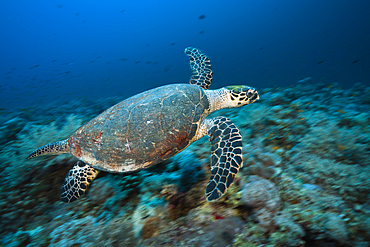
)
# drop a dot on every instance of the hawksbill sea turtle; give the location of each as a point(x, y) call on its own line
point(153, 126)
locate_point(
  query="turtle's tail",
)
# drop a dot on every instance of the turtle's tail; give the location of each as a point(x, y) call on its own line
point(59, 147)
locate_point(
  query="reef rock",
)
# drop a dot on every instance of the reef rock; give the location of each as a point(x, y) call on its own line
point(262, 196)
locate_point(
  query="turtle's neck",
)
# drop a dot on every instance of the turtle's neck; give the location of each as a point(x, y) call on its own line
point(218, 99)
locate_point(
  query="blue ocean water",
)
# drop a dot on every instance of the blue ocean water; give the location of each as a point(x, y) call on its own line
point(62, 50)
point(305, 142)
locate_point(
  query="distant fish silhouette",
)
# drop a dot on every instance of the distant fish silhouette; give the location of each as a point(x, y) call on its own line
point(34, 66)
point(321, 62)
point(69, 63)
point(201, 32)
point(201, 17)
point(356, 61)
point(167, 68)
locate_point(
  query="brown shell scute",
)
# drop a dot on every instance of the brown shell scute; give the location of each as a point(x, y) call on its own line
point(142, 130)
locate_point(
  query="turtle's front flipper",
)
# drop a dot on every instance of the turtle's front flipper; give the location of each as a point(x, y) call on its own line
point(201, 68)
point(58, 147)
point(77, 180)
point(226, 157)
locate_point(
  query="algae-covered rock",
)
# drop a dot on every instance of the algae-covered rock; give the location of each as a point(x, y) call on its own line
point(289, 233)
point(260, 162)
point(262, 196)
point(88, 232)
point(201, 227)
point(336, 229)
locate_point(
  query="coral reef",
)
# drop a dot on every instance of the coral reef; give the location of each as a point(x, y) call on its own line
point(304, 182)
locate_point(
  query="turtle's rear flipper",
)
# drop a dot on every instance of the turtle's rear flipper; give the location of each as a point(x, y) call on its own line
point(77, 180)
point(58, 147)
point(226, 158)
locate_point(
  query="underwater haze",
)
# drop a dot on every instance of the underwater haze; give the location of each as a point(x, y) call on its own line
point(295, 163)
point(65, 50)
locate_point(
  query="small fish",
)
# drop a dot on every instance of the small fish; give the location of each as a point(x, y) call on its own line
point(275, 148)
point(341, 111)
point(35, 66)
point(321, 62)
point(356, 61)
point(201, 17)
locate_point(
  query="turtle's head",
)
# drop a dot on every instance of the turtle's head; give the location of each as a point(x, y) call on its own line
point(241, 95)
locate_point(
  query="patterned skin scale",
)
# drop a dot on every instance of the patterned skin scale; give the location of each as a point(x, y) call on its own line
point(155, 125)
